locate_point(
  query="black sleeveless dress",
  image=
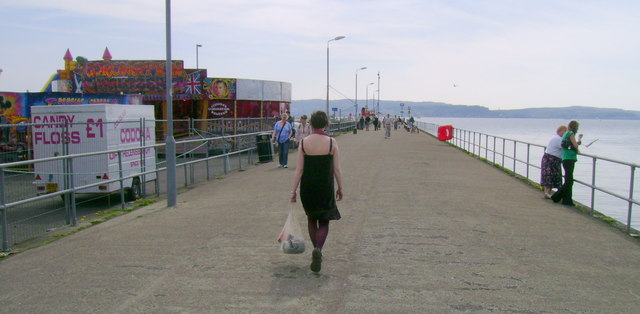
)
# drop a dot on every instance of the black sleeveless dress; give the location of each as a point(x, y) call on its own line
point(317, 191)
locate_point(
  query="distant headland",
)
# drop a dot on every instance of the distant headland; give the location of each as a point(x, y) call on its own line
point(437, 109)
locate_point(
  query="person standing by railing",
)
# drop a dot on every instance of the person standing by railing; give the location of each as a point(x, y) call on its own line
point(569, 158)
point(282, 132)
point(551, 164)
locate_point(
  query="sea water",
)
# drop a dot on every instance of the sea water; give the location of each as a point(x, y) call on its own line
point(614, 139)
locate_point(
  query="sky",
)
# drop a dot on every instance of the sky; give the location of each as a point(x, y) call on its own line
point(500, 54)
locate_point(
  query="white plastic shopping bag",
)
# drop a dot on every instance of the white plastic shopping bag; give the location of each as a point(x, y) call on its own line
point(291, 239)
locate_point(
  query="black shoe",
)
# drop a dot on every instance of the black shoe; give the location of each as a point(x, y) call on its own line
point(572, 204)
point(316, 260)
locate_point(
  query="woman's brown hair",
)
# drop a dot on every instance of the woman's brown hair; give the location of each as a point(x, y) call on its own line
point(319, 120)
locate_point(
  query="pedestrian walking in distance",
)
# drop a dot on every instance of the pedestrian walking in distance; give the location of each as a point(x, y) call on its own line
point(387, 126)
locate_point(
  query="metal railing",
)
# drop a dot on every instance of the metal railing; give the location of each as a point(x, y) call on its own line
point(27, 212)
point(341, 126)
point(521, 157)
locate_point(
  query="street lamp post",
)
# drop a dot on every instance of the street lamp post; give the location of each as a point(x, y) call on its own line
point(374, 93)
point(378, 90)
point(197, 46)
point(367, 95)
point(356, 116)
point(170, 150)
point(330, 40)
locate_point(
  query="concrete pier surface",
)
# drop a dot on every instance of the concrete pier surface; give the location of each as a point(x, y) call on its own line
point(426, 228)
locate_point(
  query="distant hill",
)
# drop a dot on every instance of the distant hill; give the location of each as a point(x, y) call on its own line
point(437, 109)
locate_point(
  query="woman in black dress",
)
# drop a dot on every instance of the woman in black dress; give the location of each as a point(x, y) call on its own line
point(318, 165)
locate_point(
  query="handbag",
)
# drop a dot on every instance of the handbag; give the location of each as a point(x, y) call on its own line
point(291, 239)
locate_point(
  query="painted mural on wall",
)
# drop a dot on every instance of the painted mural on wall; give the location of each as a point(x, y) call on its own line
point(12, 108)
point(126, 76)
point(55, 99)
point(15, 107)
point(220, 88)
point(220, 109)
point(194, 82)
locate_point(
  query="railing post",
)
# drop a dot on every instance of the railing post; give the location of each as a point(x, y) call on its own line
point(494, 149)
point(5, 222)
point(630, 210)
point(593, 184)
point(515, 153)
point(72, 195)
point(186, 177)
point(143, 156)
point(226, 161)
point(528, 153)
point(504, 147)
point(473, 145)
point(192, 172)
point(486, 148)
point(121, 181)
point(206, 163)
point(157, 187)
point(66, 175)
point(465, 145)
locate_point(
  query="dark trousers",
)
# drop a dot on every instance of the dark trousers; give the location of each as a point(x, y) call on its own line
point(283, 152)
point(565, 192)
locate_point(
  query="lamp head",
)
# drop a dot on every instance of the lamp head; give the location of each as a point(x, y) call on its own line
point(339, 37)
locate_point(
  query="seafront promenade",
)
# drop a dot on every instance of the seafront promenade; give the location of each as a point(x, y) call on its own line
point(426, 228)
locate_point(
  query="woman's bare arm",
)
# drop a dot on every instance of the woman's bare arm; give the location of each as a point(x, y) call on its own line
point(298, 175)
point(337, 172)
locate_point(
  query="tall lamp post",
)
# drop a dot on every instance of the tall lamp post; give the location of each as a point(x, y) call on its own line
point(197, 46)
point(367, 100)
point(170, 150)
point(330, 40)
point(356, 116)
point(378, 90)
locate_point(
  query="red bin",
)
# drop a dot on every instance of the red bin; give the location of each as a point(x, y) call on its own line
point(445, 132)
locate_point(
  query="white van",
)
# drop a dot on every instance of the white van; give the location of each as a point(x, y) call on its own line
point(73, 129)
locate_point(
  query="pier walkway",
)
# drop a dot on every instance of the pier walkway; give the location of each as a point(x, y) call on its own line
point(426, 228)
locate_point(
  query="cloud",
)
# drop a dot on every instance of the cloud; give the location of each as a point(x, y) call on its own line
point(498, 51)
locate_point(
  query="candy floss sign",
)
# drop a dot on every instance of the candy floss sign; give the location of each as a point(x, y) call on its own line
point(218, 110)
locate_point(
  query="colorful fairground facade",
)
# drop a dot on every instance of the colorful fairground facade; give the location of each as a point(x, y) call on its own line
point(196, 97)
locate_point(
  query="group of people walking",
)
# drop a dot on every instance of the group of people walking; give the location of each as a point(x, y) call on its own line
point(562, 150)
point(317, 170)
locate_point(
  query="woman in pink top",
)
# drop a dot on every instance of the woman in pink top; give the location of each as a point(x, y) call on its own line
point(303, 130)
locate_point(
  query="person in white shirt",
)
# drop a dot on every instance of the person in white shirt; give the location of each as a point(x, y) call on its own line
point(551, 165)
point(387, 126)
point(303, 130)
